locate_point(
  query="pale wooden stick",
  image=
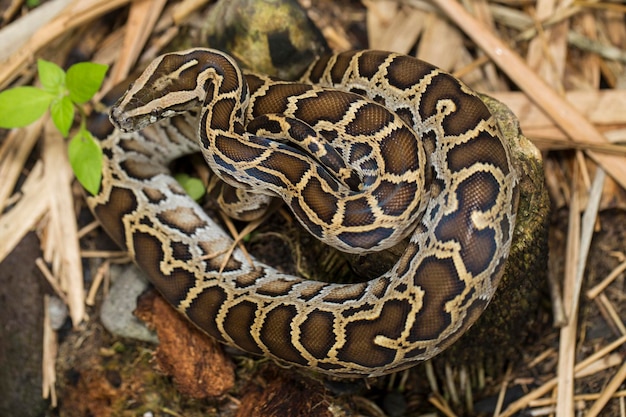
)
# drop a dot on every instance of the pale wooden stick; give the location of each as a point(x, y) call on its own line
point(50, 348)
point(59, 177)
point(577, 127)
point(75, 15)
point(612, 312)
point(578, 397)
point(101, 273)
point(567, 334)
point(548, 386)
point(608, 392)
point(23, 216)
point(14, 151)
point(595, 291)
point(142, 17)
point(52, 280)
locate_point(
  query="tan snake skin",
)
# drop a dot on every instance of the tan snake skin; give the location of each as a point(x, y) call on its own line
point(430, 164)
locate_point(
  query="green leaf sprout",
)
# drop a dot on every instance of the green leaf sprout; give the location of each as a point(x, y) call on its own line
point(63, 93)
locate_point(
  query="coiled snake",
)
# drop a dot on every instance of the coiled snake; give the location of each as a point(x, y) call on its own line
point(269, 137)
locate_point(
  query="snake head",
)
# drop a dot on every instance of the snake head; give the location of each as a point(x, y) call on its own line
point(167, 87)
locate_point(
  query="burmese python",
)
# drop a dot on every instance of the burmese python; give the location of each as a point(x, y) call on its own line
point(365, 198)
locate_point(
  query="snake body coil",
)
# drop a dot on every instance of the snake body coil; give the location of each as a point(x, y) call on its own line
point(384, 127)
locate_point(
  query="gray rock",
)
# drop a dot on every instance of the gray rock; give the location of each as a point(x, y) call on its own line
point(117, 310)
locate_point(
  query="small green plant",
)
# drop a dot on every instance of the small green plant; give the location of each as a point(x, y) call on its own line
point(63, 93)
point(193, 186)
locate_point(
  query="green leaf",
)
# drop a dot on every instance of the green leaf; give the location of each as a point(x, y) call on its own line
point(62, 112)
point(52, 76)
point(21, 106)
point(84, 80)
point(86, 160)
point(193, 186)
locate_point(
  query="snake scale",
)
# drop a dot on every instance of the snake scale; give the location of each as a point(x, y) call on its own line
point(368, 148)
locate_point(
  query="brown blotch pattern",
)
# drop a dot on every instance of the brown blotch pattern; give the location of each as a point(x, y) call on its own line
point(184, 219)
point(406, 72)
point(327, 105)
point(477, 193)
point(318, 335)
point(484, 148)
point(277, 336)
point(238, 323)
point(341, 66)
point(142, 170)
point(276, 98)
point(369, 120)
point(400, 150)
point(121, 203)
point(205, 308)
point(442, 285)
point(174, 286)
point(370, 63)
point(360, 347)
point(358, 213)
point(325, 206)
point(277, 287)
point(345, 293)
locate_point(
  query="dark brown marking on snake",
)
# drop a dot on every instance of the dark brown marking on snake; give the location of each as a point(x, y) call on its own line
point(361, 348)
point(184, 219)
point(370, 63)
point(221, 114)
point(353, 311)
point(311, 290)
point(407, 116)
point(121, 203)
point(153, 195)
point(320, 333)
point(446, 95)
point(174, 286)
point(483, 148)
point(369, 120)
point(367, 240)
point(180, 251)
point(379, 288)
point(221, 66)
point(248, 279)
point(477, 193)
point(329, 105)
point(236, 150)
point(204, 309)
point(395, 198)
point(277, 287)
point(291, 166)
point(254, 82)
point(238, 321)
point(300, 213)
point(317, 69)
point(439, 280)
point(276, 98)
point(400, 151)
point(277, 336)
point(345, 293)
point(142, 170)
point(341, 66)
point(324, 205)
point(358, 213)
point(360, 151)
point(405, 72)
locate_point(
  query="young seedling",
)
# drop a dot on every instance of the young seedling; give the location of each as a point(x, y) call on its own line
point(63, 93)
